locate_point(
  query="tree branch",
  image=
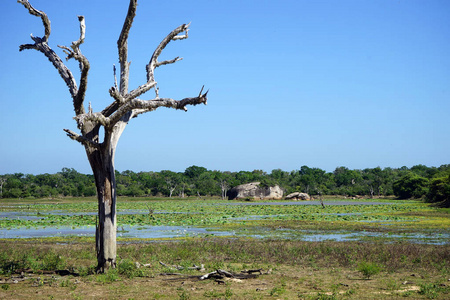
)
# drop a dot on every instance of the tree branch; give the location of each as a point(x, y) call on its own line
point(139, 106)
point(63, 71)
point(81, 139)
point(75, 53)
point(41, 45)
point(45, 21)
point(126, 104)
point(153, 63)
point(122, 45)
point(113, 113)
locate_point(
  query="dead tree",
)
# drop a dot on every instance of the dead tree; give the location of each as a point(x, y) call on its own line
point(2, 181)
point(224, 188)
point(125, 105)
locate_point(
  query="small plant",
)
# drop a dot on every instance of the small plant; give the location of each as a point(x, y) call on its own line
point(52, 261)
point(86, 270)
point(431, 290)
point(392, 284)
point(65, 283)
point(184, 295)
point(5, 286)
point(228, 293)
point(321, 296)
point(109, 277)
point(128, 268)
point(349, 292)
point(369, 269)
point(278, 290)
point(212, 294)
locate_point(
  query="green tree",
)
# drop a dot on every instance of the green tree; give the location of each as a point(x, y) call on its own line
point(172, 180)
point(410, 185)
point(439, 191)
point(193, 172)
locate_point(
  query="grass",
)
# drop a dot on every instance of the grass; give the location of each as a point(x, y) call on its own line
point(300, 270)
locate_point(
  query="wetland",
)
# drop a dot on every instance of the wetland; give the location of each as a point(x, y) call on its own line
point(312, 252)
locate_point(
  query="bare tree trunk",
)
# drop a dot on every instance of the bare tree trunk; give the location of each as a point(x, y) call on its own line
point(182, 191)
point(105, 233)
point(2, 181)
point(224, 188)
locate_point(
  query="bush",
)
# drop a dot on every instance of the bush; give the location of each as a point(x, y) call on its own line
point(369, 269)
point(52, 261)
point(129, 269)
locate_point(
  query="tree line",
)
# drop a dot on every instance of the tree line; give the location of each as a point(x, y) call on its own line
point(432, 183)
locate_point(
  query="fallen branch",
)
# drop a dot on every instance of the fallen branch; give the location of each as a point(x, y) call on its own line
point(252, 271)
point(221, 274)
point(171, 274)
point(138, 265)
point(225, 273)
point(207, 276)
point(176, 267)
point(46, 272)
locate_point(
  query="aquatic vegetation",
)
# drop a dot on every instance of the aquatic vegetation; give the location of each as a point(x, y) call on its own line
point(392, 220)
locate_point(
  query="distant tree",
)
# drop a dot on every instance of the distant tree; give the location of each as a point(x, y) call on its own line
point(2, 181)
point(242, 177)
point(171, 179)
point(194, 172)
point(112, 119)
point(424, 171)
point(439, 191)
point(207, 184)
point(223, 179)
point(410, 185)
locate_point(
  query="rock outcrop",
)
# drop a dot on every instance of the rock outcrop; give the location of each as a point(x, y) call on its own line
point(253, 191)
point(298, 196)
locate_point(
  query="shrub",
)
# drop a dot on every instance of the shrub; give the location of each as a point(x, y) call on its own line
point(128, 268)
point(369, 269)
point(52, 261)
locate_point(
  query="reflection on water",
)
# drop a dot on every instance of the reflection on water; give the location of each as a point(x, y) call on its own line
point(144, 232)
point(24, 215)
point(339, 236)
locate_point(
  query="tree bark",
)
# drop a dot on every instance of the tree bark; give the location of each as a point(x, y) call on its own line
point(105, 234)
point(101, 159)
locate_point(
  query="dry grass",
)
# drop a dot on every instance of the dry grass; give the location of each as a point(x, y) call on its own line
point(298, 270)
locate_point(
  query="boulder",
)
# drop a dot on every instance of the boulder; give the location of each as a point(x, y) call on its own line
point(298, 196)
point(254, 191)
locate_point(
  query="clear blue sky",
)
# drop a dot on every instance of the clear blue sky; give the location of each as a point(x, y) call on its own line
point(331, 83)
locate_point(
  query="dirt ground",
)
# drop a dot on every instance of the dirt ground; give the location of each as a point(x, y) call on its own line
point(283, 282)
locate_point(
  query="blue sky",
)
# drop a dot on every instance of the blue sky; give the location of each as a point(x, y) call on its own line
point(357, 83)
